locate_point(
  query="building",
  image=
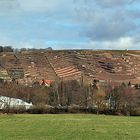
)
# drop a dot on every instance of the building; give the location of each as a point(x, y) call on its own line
point(7, 102)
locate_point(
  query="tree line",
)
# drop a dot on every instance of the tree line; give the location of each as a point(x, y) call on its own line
point(11, 49)
point(74, 97)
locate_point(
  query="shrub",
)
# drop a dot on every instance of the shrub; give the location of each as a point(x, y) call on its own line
point(136, 112)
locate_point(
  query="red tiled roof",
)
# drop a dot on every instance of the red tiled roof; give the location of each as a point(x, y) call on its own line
point(48, 82)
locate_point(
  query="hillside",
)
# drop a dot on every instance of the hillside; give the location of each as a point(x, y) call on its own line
point(106, 66)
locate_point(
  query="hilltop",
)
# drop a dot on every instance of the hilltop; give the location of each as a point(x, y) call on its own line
point(112, 67)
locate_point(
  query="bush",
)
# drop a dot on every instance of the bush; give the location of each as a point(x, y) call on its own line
point(40, 109)
point(14, 110)
point(136, 112)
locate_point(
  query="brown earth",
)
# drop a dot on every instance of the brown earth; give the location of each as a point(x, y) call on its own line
point(107, 66)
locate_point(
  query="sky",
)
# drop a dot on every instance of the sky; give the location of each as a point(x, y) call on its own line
point(70, 24)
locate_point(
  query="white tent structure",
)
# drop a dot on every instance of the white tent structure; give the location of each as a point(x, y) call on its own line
point(13, 103)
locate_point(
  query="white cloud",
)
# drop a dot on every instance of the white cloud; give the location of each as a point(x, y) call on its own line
point(107, 27)
point(121, 43)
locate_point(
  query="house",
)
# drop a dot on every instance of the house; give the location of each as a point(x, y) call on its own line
point(45, 82)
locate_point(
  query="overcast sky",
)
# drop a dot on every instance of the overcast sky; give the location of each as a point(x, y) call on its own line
point(70, 24)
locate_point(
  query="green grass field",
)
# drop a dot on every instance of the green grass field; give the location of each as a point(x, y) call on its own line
point(69, 127)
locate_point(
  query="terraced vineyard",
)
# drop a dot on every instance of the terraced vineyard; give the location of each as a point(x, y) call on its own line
point(106, 66)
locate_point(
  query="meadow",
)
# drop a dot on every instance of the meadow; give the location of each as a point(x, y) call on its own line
point(69, 127)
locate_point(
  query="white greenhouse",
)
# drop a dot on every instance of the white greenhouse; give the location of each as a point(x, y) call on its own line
point(13, 103)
